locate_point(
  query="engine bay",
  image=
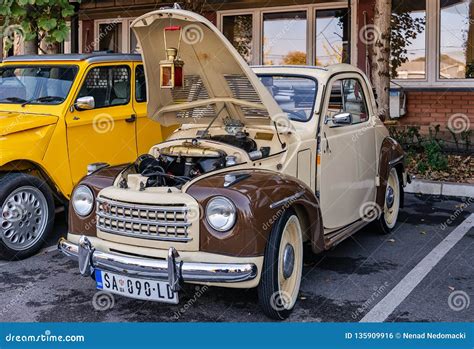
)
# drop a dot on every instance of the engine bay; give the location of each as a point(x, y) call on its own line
point(173, 163)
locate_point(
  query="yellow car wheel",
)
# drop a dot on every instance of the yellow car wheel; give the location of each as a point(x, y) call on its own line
point(27, 215)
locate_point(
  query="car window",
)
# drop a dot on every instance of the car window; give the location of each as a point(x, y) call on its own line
point(140, 84)
point(110, 86)
point(348, 96)
point(294, 94)
point(19, 84)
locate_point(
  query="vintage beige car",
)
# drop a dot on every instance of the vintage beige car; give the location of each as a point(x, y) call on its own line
point(266, 159)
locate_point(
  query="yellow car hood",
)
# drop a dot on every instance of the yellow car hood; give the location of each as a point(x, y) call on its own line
point(12, 122)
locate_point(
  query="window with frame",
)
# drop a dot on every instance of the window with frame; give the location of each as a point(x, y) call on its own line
point(347, 96)
point(284, 38)
point(408, 40)
point(238, 30)
point(109, 85)
point(110, 37)
point(332, 37)
point(140, 84)
point(456, 39)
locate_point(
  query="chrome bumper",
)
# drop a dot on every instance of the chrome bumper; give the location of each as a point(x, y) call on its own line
point(173, 269)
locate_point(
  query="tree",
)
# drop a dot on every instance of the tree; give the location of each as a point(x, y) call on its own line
point(381, 61)
point(295, 58)
point(36, 21)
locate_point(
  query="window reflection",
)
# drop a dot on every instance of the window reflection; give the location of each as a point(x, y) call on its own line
point(284, 38)
point(238, 30)
point(332, 34)
point(110, 37)
point(457, 39)
point(408, 42)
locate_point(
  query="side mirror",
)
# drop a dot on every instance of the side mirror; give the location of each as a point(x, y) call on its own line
point(340, 119)
point(85, 103)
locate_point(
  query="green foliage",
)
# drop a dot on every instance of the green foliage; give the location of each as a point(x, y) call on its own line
point(435, 157)
point(37, 19)
point(404, 29)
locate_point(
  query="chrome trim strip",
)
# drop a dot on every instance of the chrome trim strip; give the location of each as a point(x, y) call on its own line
point(131, 205)
point(144, 235)
point(286, 200)
point(394, 161)
point(155, 268)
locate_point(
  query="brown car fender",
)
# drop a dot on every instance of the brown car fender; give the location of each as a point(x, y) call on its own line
point(260, 197)
point(391, 156)
point(96, 181)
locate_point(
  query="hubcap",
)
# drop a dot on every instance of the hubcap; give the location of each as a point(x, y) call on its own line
point(390, 197)
point(288, 261)
point(24, 217)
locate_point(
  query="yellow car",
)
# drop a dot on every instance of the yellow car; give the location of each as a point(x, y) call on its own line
point(59, 114)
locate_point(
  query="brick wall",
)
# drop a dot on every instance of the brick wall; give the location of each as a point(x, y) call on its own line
point(429, 108)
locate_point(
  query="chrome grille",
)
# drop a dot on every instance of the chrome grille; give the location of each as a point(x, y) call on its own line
point(163, 222)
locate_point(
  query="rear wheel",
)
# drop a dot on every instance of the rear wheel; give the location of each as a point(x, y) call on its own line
point(388, 219)
point(282, 268)
point(27, 215)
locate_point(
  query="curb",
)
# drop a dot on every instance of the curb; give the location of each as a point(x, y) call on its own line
point(418, 186)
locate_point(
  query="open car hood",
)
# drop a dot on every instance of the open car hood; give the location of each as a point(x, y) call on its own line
point(217, 79)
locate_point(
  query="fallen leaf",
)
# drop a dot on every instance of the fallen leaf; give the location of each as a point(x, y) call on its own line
point(423, 232)
point(451, 288)
point(391, 240)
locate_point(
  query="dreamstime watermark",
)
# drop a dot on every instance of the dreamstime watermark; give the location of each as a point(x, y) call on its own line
point(369, 34)
point(458, 123)
point(200, 290)
point(102, 34)
point(280, 300)
point(378, 291)
point(103, 301)
point(268, 224)
point(103, 123)
point(192, 34)
point(459, 300)
point(370, 211)
point(466, 203)
point(19, 297)
point(11, 32)
point(277, 38)
point(46, 337)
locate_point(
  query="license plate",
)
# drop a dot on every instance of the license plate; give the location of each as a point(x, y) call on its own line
point(135, 288)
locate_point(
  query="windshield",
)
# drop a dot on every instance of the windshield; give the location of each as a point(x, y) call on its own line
point(35, 84)
point(294, 94)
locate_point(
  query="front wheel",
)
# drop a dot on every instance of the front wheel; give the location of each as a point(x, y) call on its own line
point(282, 267)
point(27, 215)
point(388, 217)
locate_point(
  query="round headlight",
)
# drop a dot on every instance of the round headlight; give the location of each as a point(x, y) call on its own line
point(82, 200)
point(221, 213)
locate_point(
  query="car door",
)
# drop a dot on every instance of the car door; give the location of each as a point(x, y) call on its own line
point(347, 168)
point(149, 132)
point(105, 132)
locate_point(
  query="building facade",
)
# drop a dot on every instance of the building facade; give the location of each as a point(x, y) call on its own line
point(432, 60)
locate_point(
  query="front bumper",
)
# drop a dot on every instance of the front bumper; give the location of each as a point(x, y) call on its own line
point(173, 269)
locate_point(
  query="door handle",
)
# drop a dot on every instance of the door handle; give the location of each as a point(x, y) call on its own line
point(132, 118)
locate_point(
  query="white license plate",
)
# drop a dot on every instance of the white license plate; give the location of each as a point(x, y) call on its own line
point(135, 288)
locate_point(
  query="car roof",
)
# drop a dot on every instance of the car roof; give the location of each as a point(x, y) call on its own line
point(94, 57)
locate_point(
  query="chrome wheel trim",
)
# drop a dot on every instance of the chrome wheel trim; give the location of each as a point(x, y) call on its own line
point(392, 199)
point(24, 217)
point(289, 286)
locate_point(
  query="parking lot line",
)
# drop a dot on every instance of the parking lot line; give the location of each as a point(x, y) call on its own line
point(381, 311)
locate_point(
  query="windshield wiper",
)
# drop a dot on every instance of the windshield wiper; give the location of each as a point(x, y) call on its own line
point(42, 99)
point(13, 99)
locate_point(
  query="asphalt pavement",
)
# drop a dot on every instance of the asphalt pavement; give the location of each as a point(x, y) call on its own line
point(397, 277)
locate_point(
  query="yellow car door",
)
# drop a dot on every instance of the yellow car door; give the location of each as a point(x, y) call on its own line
point(101, 125)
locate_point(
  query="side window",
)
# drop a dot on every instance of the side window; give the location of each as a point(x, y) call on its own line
point(348, 96)
point(140, 84)
point(110, 86)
